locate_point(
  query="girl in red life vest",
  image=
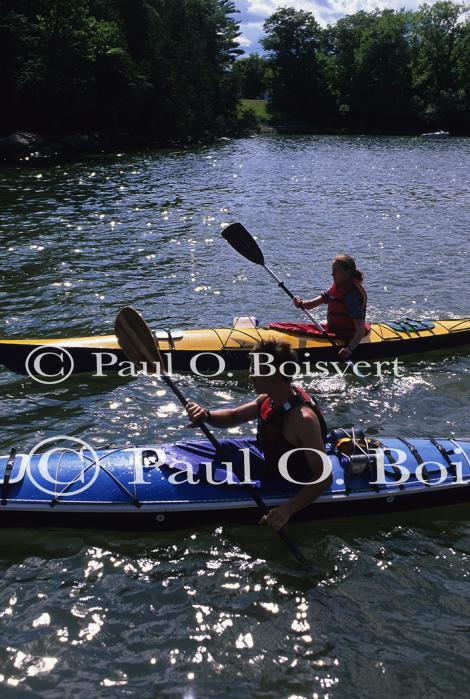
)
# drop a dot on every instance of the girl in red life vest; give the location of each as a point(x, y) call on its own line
point(347, 304)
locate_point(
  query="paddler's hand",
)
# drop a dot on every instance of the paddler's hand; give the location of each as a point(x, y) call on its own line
point(196, 413)
point(344, 353)
point(298, 303)
point(277, 517)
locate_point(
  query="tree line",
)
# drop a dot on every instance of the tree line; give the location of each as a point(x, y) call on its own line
point(142, 65)
point(383, 71)
point(173, 68)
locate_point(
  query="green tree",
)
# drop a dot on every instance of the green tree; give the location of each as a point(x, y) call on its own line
point(298, 85)
point(251, 73)
point(461, 63)
point(437, 29)
point(66, 64)
point(342, 43)
point(195, 89)
point(384, 93)
point(155, 66)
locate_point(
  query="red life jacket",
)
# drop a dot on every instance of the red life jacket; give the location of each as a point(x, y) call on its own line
point(270, 438)
point(339, 320)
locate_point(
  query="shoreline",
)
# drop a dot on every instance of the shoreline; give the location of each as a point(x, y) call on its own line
point(27, 147)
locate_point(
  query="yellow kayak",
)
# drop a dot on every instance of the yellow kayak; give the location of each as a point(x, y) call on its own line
point(213, 350)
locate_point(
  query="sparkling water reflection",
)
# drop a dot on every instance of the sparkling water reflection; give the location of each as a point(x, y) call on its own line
point(224, 612)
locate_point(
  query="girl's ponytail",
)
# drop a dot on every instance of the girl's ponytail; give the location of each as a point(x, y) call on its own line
point(348, 263)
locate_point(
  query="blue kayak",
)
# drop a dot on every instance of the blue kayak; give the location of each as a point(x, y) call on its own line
point(181, 484)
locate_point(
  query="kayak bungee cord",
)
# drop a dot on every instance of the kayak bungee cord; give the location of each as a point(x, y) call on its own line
point(141, 347)
point(239, 331)
point(133, 498)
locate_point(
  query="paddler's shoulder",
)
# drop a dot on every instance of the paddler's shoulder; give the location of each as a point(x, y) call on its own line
point(302, 417)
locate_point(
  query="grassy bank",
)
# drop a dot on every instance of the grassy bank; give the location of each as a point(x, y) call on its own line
point(259, 108)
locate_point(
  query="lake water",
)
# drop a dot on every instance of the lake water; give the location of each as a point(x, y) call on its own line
point(223, 611)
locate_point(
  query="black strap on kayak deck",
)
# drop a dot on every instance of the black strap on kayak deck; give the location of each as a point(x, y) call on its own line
point(396, 471)
point(388, 453)
point(171, 342)
point(445, 454)
point(7, 475)
point(460, 450)
point(418, 457)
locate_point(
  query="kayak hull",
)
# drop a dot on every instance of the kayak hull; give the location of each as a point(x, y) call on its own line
point(147, 520)
point(147, 487)
point(213, 351)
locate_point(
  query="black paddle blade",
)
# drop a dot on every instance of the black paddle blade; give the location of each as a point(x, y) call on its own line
point(243, 242)
point(136, 339)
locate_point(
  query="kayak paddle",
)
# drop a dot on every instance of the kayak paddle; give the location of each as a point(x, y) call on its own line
point(243, 242)
point(141, 347)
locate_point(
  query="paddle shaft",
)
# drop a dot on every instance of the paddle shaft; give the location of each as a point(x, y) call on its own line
point(289, 293)
point(184, 401)
point(263, 508)
point(243, 242)
point(141, 347)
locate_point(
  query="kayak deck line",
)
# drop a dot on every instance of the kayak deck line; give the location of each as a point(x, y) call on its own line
point(132, 497)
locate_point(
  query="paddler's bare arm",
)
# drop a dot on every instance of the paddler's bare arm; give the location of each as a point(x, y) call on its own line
point(304, 432)
point(229, 417)
point(347, 351)
point(308, 304)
